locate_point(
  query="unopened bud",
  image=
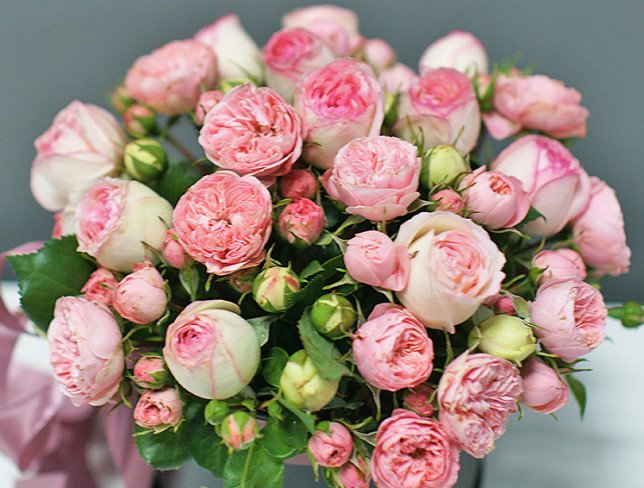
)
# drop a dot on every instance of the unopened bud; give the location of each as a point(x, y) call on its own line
point(140, 120)
point(145, 159)
point(272, 288)
point(442, 165)
point(333, 315)
point(302, 384)
point(121, 99)
point(239, 430)
point(504, 336)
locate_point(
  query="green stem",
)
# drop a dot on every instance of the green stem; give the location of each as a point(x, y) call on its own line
point(183, 150)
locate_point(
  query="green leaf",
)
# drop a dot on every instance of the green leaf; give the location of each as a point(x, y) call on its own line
point(482, 314)
point(630, 314)
point(189, 278)
point(307, 419)
point(284, 438)
point(310, 269)
point(275, 362)
point(262, 327)
point(533, 214)
point(54, 271)
point(579, 392)
point(166, 450)
point(176, 180)
point(204, 445)
point(323, 353)
point(253, 468)
point(520, 304)
point(315, 289)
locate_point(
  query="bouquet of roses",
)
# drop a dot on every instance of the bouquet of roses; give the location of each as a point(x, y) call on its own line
point(339, 274)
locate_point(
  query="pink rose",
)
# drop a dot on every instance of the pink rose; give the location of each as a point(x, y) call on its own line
point(149, 372)
point(298, 183)
point(558, 186)
point(355, 474)
point(440, 107)
point(559, 264)
point(252, 131)
point(397, 79)
point(171, 78)
point(338, 103)
point(476, 395)
point(570, 318)
point(599, 231)
point(83, 143)
point(301, 222)
point(459, 50)
point(157, 409)
point(454, 268)
point(412, 451)
point(448, 201)
point(543, 390)
point(375, 177)
point(100, 286)
point(392, 350)
point(332, 448)
point(141, 297)
point(372, 258)
point(418, 400)
point(379, 54)
point(494, 199)
point(207, 100)
point(85, 351)
point(290, 54)
point(173, 253)
point(238, 212)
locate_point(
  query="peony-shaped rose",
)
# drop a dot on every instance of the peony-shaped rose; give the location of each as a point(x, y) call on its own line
point(158, 409)
point(418, 400)
point(355, 474)
point(375, 177)
point(397, 79)
point(331, 445)
point(412, 451)
point(85, 351)
point(570, 318)
point(252, 131)
point(301, 222)
point(543, 390)
point(223, 221)
point(459, 50)
point(141, 297)
point(100, 286)
point(211, 350)
point(83, 143)
point(207, 100)
point(454, 268)
point(559, 264)
point(173, 253)
point(379, 54)
point(448, 201)
point(298, 183)
point(338, 103)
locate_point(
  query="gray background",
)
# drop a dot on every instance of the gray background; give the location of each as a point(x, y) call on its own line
point(54, 51)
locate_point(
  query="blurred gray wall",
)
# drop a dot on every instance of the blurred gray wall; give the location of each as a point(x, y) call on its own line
point(54, 51)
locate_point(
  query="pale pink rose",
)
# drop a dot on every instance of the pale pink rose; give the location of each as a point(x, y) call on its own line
point(301, 222)
point(476, 395)
point(570, 318)
point(115, 221)
point(149, 372)
point(141, 297)
point(238, 212)
point(372, 258)
point(375, 177)
point(333, 448)
point(338, 103)
point(355, 474)
point(298, 183)
point(460, 50)
point(397, 79)
point(558, 186)
point(207, 100)
point(83, 143)
point(412, 451)
point(599, 231)
point(85, 351)
point(290, 54)
point(448, 201)
point(494, 199)
point(543, 390)
point(100, 286)
point(210, 350)
point(392, 350)
point(252, 131)
point(238, 57)
point(379, 54)
point(418, 400)
point(171, 78)
point(158, 408)
point(440, 107)
point(454, 268)
point(559, 264)
point(173, 253)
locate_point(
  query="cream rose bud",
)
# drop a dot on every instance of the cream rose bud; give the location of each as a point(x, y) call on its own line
point(397, 79)
point(145, 159)
point(158, 409)
point(331, 445)
point(239, 430)
point(273, 287)
point(448, 201)
point(173, 253)
point(211, 350)
point(207, 100)
point(559, 264)
point(454, 268)
point(83, 143)
point(302, 384)
point(504, 336)
point(150, 372)
point(301, 222)
point(442, 166)
point(419, 400)
point(460, 50)
point(140, 120)
point(100, 287)
point(333, 315)
point(141, 296)
point(379, 54)
point(543, 390)
point(116, 222)
point(298, 183)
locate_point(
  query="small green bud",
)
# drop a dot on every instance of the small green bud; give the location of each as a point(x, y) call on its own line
point(273, 286)
point(333, 315)
point(239, 430)
point(504, 336)
point(442, 165)
point(121, 99)
point(216, 411)
point(302, 384)
point(145, 159)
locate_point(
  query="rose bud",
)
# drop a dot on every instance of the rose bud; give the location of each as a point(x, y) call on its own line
point(302, 384)
point(141, 296)
point(273, 287)
point(158, 409)
point(355, 474)
point(570, 318)
point(85, 351)
point(100, 287)
point(298, 183)
point(338, 103)
point(242, 281)
point(448, 201)
point(301, 222)
point(333, 315)
point(140, 120)
point(543, 390)
point(504, 336)
point(239, 430)
point(171, 78)
point(476, 395)
point(211, 350)
point(418, 399)
point(559, 264)
point(145, 159)
point(83, 143)
point(121, 99)
point(503, 305)
point(207, 100)
point(150, 372)
point(459, 50)
point(331, 445)
point(442, 166)
point(379, 54)
point(173, 253)
point(397, 79)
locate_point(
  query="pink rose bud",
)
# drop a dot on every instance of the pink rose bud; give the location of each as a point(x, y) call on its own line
point(422, 444)
point(372, 258)
point(570, 318)
point(171, 78)
point(338, 103)
point(331, 445)
point(242, 281)
point(454, 268)
point(85, 351)
point(396, 79)
point(303, 385)
point(207, 100)
point(141, 297)
point(150, 372)
point(375, 177)
point(273, 287)
point(504, 305)
point(57, 230)
point(173, 252)
point(459, 50)
point(298, 183)
point(301, 222)
point(599, 232)
point(121, 99)
point(494, 199)
point(83, 143)
point(239, 430)
point(440, 107)
point(211, 350)
point(158, 409)
point(100, 287)
point(448, 201)
point(418, 399)
point(543, 390)
point(476, 395)
point(392, 350)
point(139, 120)
point(557, 185)
point(559, 264)
point(379, 54)
point(355, 474)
